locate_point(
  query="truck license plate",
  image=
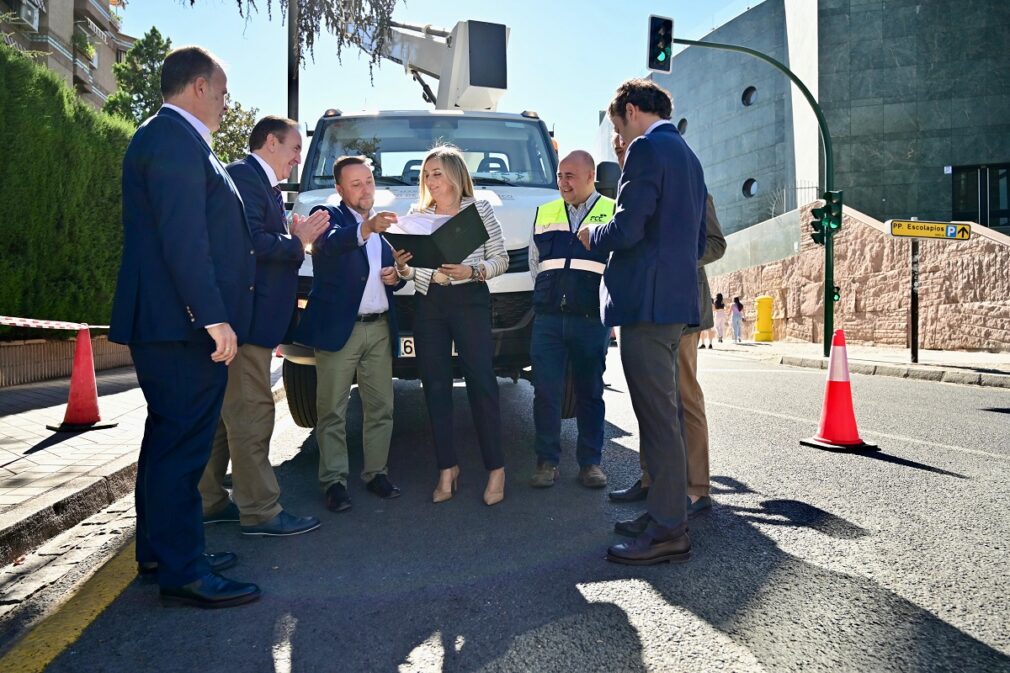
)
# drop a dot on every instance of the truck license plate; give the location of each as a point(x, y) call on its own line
point(407, 349)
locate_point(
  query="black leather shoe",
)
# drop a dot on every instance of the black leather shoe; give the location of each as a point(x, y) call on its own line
point(633, 493)
point(283, 525)
point(633, 527)
point(651, 548)
point(210, 591)
point(218, 562)
point(337, 499)
point(381, 486)
point(699, 505)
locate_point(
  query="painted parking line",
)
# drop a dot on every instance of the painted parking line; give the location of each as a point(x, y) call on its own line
point(900, 438)
point(60, 630)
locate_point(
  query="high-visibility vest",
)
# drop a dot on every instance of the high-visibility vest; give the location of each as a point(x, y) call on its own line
point(568, 279)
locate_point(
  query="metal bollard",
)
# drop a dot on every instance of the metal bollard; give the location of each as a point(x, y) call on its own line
point(763, 324)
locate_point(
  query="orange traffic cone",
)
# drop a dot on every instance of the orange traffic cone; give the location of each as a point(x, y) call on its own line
point(838, 431)
point(82, 405)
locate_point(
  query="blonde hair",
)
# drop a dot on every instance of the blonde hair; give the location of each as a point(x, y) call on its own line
point(453, 167)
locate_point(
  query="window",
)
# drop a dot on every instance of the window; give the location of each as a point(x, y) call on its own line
point(749, 96)
point(750, 188)
point(982, 194)
point(497, 151)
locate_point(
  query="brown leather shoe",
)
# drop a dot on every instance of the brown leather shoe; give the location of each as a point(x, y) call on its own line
point(591, 476)
point(545, 475)
point(648, 549)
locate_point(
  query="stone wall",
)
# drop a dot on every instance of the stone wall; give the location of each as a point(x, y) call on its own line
point(964, 288)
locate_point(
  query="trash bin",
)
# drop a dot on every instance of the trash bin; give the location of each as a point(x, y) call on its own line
point(763, 324)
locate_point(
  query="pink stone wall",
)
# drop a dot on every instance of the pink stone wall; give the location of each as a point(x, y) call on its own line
point(964, 288)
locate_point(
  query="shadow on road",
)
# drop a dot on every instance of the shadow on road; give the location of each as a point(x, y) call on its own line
point(406, 585)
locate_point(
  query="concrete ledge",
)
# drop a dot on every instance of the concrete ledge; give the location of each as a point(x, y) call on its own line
point(38, 520)
point(995, 380)
point(958, 376)
point(968, 378)
point(925, 374)
point(891, 370)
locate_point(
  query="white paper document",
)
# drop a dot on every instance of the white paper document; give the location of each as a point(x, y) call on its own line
point(418, 224)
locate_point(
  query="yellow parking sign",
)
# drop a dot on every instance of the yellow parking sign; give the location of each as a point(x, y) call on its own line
point(949, 231)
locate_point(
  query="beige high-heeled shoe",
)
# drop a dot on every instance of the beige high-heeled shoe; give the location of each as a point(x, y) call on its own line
point(495, 491)
point(448, 484)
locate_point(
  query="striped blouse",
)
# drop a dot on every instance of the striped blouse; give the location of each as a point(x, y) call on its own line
point(491, 256)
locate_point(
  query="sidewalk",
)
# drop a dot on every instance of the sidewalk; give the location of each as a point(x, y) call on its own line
point(51, 481)
point(970, 368)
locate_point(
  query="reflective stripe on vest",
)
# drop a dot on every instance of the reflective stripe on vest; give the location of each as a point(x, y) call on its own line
point(577, 264)
point(547, 228)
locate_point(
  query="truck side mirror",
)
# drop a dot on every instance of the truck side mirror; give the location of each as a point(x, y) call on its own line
point(608, 173)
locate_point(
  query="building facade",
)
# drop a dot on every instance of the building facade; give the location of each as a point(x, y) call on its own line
point(79, 40)
point(916, 94)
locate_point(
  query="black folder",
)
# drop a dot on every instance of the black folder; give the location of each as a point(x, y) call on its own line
point(451, 243)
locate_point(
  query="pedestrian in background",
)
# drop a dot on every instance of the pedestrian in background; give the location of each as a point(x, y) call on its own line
point(454, 306)
point(737, 319)
point(719, 311)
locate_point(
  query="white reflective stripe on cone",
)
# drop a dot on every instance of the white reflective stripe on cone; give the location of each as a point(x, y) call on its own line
point(559, 226)
point(577, 264)
point(838, 365)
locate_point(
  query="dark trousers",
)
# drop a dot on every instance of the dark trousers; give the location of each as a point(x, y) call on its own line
point(649, 355)
point(559, 339)
point(184, 391)
point(460, 314)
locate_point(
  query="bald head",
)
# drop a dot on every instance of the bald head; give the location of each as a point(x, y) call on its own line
point(576, 174)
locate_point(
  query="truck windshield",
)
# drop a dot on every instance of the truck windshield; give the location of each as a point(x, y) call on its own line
point(497, 151)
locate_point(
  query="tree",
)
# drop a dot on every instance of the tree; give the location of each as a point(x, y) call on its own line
point(342, 18)
point(139, 78)
point(231, 141)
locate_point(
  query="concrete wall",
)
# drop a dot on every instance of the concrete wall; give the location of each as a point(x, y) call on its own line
point(963, 292)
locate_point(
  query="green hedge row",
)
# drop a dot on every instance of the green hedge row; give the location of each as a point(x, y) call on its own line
point(60, 200)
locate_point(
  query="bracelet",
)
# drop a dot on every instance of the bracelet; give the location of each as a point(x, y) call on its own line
point(474, 273)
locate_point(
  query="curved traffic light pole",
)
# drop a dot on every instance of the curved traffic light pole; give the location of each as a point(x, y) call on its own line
point(829, 174)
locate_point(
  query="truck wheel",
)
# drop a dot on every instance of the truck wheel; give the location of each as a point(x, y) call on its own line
point(568, 399)
point(300, 386)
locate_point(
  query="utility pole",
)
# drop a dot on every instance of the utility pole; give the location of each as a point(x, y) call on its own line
point(829, 174)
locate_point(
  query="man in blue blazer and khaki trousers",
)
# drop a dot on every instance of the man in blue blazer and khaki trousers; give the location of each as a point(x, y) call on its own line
point(247, 415)
point(656, 237)
point(183, 303)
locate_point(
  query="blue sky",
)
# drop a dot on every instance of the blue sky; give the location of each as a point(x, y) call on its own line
point(565, 58)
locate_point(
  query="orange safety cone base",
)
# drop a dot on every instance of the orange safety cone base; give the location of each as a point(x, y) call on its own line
point(73, 427)
point(816, 443)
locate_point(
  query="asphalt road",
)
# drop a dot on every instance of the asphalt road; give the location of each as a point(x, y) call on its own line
point(814, 561)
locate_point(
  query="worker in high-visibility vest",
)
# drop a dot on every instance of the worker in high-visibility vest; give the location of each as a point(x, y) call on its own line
point(567, 328)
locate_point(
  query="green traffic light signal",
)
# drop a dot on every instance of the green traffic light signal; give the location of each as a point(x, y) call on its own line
point(836, 293)
point(660, 44)
point(834, 208)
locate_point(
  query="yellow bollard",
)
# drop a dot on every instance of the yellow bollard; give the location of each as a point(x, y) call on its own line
point(763, 324)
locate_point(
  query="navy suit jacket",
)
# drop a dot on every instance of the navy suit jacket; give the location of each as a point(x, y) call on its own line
point(339, 273)
point(278, 255)
point(657, 234)
point(188, 259)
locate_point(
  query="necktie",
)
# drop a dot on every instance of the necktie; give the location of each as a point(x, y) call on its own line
point(279, 198)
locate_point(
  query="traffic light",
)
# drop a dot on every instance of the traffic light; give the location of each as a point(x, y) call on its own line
point(836, 293)
point(819, 223)
point(660, 44)
point(834, 208)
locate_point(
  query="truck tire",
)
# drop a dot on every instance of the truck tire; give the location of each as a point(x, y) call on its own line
point(568, 398)
point(300, 386)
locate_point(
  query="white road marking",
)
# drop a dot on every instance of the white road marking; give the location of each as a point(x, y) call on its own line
point(428, 656)
point(284, 629)
point(900, 438)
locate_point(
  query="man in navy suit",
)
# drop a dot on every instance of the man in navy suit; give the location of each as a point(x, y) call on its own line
point(247, 415)
point(350, 321)
point(656, 237)
point(183, 303)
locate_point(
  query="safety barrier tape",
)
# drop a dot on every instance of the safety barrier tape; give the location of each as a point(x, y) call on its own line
point(46, 324)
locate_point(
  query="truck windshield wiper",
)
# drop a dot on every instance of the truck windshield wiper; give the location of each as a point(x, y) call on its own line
point(492, 181)
point(390, 180)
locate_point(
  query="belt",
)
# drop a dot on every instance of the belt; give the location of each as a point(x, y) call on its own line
point(370, 317)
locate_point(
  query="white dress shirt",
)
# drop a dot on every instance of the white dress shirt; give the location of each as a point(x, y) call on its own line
point(200, 127)
point(373, 300)
point(655, 125)
point(271, 176)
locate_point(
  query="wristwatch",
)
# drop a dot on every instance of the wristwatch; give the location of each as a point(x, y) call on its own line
point(476, 274)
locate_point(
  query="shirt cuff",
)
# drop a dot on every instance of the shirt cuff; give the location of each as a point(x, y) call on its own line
point(212, 325)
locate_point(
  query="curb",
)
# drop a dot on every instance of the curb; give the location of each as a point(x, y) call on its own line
point(35, 522)
point(961, 377)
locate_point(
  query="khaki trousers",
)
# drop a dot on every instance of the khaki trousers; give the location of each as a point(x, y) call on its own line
point(243, 435)
point(368, 354)
point(695, 422)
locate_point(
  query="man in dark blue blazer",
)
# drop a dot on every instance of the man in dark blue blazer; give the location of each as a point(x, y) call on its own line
point(350, 321)
point(656, 237)
point(183, 303)
point(247, 415)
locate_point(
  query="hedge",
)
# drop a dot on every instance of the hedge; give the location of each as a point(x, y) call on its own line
point(60, 225)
